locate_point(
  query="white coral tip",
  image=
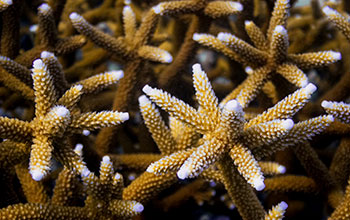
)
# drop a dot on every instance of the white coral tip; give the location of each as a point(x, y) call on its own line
point(85, 172)
point(330, 118)
point(126, 8)
point(124, 116)
point(237, 6)
point(117, 74)
point(326, 104)
point(258, 184)
point(280, 29)
point(183, 173)
point(38, 64)
point(143, 100)
point(7, 2)
point(138, 207)
point(304, 83)
point(196, 36)
point(233, 105)
point(157, 9)
point(74, 16)
point(196, 68)
point(167, 58)
point(106, 159)
point(44, 7)
point(249, 70)
point(231, 206)
point(281, 169)
point(33, 28)
point(247, 23)
point(283, 205)
point(61, 111)
point(287, 124)
point(78, 87)
point(127, 2)
point(310, 88)
point(86, 132)
point(117, 176)
point(150, 169)
point(78, 147)
point(223, 36)
point(37, 175)
point(147, 89)
point(46, 54)
point(329, 11)
point(336, 55)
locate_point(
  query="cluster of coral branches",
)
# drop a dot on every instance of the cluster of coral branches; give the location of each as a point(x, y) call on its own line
point(194, 109)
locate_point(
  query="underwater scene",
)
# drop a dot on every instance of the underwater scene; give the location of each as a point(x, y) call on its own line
point(175, 109)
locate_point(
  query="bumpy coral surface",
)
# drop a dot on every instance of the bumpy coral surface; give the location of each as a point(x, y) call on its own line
point(192, 109)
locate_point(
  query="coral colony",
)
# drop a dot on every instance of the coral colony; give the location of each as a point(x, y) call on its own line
point(190, 109)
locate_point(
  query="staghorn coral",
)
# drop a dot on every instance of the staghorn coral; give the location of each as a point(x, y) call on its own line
point(254, 138)
point(99, 204)
point(224, 131)
point(53, 118)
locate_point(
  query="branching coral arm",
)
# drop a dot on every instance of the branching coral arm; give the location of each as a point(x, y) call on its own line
point(266, 133)
point(279, 16)
point(178, 108)
point(339, 110)
point(293, 74)
point(101, 39)
point(16, 69)
point(314, 59)
point(15, 129)
point(204, 94)
point(129, 23)
point(291, 183)
point(154, 54)
point(271, 168)
point(56, 71)
point(216, 44)
point(277, 212)
point(100, 81)
point(247, 166)
point(97, 120)
point(278, 45)
point(156, 126)
point(339, 20)
point(287, 107)
point(216, 9)
point(248, 52)
point(4, 4)
point(170, 163)
point(256, 35)
point(71, 97)
point(44, 91)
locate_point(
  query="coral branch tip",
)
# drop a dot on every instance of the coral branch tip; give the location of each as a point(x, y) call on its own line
point(258, 184)
point(326, 104)
point(124, 116)
point(281, 169)
point(329, 11)
point(224, 36)
point(44, 7)
point(143, 100)
point(138, 207)
point(37, 175)
point(310, 88)
point(283, 205)
point(74, 16)
point(288, 124)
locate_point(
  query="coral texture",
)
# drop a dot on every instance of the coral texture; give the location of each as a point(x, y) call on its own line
point(193, 109)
